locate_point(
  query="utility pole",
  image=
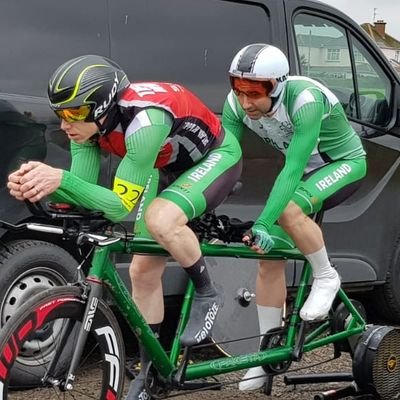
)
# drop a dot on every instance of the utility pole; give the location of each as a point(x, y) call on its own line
point(374, 17)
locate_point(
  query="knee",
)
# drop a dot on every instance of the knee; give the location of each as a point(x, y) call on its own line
point(157, 224)
point(143, 273)
point(271, 271)
point(161, 221)
point(292, 217)
point(137, 270)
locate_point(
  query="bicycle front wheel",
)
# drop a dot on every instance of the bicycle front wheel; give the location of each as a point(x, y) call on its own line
point(39, 329)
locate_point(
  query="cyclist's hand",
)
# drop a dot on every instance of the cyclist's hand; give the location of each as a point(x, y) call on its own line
point(14, 184)
point(40, 181)
point(259, 239)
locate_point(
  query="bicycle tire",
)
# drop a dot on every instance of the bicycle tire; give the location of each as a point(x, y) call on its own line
point(42, 318)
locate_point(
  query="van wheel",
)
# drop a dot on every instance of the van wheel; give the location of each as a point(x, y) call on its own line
point(387, 303)
point(26, 268)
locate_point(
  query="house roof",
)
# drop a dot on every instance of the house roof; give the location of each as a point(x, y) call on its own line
point(383, 41)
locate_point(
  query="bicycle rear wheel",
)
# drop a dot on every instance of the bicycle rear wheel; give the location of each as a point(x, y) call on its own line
point(37, 326)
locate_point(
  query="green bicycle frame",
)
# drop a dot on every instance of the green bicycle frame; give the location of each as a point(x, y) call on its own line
point(104, 270)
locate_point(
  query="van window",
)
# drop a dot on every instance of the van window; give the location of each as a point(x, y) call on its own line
point(374, 89)
point(187, 41)
point(342, 63)
point(47, 35)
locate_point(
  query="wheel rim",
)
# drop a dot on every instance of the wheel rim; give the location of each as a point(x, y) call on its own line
point(101, 361)
point(35, 280)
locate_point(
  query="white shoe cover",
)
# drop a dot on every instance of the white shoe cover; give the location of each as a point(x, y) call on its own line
point(320, 299)
point(256, 383)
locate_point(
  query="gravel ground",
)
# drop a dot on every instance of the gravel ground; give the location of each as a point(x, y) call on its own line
point(279, 390)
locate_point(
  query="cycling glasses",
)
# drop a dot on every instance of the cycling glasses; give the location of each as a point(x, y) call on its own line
point(74, 114)
point(252, 89)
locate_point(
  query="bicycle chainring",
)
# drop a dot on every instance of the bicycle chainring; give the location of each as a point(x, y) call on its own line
point(156, 387)
point(275, 337)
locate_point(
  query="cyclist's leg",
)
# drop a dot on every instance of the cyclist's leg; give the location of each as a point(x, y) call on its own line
point(137, 388)
point(198, 189)
point(270, 298)
point(308, 199)
point(271, 286)
point(146, 273)
point(37, 328)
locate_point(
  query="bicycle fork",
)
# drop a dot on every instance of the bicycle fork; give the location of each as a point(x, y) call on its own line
point(92, 293)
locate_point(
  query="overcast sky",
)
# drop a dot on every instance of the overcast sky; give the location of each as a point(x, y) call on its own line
point(363, 11)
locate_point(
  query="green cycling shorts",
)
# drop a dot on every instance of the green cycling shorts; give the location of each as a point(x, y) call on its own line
point(197, 190)
point(324, 187)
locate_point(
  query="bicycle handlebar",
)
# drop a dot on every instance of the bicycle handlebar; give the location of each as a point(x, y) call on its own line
point(81, 237)
point(79, 224)
point(88, 226)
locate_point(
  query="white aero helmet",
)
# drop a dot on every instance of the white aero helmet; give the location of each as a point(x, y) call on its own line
point(261, 62)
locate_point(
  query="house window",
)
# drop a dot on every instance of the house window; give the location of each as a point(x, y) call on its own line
point(324, 55)
point(358, 57)
point(333, 55)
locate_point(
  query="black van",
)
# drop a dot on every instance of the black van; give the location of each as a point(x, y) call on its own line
point(192, 42)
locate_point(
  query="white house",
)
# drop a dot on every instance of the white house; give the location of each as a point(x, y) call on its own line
point(388, 44)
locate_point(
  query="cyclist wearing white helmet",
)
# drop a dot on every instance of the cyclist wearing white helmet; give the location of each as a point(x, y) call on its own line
point(324, 163)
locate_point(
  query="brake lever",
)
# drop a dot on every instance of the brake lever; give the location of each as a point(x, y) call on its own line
point(97, 240)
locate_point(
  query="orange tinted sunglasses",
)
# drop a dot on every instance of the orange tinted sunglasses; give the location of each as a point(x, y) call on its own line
point(74, 114)
point(254, 89)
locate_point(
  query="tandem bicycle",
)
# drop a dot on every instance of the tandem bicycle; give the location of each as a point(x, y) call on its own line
point(83, 331)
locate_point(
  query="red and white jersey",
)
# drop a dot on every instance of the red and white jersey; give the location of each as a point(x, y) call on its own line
point(194, 128)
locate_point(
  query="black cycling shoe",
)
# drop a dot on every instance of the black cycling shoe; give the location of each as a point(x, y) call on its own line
point(137, 389)
point(204, 311)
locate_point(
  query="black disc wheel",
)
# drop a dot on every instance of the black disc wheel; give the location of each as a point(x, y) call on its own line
point(238, 318)
point(48, 325)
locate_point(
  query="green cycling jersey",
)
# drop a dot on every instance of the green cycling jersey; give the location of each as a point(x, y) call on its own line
point(202, 184)
point(308, 126)
point(80, 185)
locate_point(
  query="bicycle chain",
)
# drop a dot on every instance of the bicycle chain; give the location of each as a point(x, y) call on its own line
point(218, 384)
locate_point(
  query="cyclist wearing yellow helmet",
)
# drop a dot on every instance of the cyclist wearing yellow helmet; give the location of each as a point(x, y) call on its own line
point(176, 163)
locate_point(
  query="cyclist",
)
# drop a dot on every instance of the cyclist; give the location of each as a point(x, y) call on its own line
point(323, 159)
point(176, 158)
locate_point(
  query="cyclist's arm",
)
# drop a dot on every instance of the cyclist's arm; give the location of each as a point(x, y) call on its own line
point(143, 145)
point(232, 116)
point(307, 125)
point(85, 165)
